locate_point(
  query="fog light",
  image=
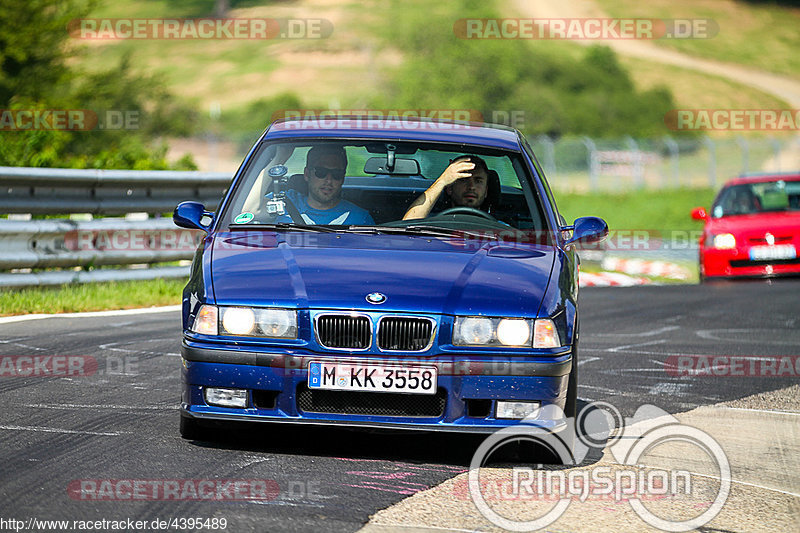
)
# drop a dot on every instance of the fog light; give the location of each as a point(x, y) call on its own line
point(226, 397)
point(516, 410)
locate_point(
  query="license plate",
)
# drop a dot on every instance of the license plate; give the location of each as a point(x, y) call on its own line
point(373, 378)
point(779, 251)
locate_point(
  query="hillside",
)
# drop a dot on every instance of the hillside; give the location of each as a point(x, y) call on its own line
point(348, 68)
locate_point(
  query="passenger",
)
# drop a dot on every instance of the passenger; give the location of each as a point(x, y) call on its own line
point(743, 202)
point(467, 183)
point(324, 175)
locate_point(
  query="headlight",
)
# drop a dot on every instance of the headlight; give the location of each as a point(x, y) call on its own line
point(473, 330)
point(278, 323)
point(238, 320)
point(724, 241)
point(250, 321)
point(482, 331)
point(514, 332)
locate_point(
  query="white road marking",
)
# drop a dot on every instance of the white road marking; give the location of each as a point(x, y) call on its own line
point(118, 312)
point(743, 335)
point(627, 346)
point(649, 333)
point(56, 430)
point(678, 389)
point(588, 360)
point(89, 406)
point(748, 484)
point(607, 390)
point(769, 411)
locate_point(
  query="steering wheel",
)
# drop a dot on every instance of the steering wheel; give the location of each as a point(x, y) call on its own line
point(462, 210)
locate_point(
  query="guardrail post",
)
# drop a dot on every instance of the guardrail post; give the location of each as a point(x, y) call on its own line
point(638, 170)
point(745, 146)
point(549, 156)
point(674, 157)
point(712, 161)
point(591, 160)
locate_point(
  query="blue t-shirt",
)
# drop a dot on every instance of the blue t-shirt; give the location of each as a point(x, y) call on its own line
point(343, 214)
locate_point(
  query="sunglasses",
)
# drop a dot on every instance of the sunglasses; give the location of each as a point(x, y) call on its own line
point(336, 174)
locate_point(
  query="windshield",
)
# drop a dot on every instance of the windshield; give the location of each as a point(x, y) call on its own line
point(751, 198)
point(384, 184)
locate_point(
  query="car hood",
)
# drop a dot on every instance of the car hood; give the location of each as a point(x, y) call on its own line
point(419, 274)
point(778, 223)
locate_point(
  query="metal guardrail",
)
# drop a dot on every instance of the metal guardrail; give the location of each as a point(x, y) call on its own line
point(78, 245)
point(105, 192)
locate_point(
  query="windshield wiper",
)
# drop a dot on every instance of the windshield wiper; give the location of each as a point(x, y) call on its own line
point(285, 226)
point(425, 231)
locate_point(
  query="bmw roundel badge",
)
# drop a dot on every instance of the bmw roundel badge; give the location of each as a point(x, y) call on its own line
point(376, 298)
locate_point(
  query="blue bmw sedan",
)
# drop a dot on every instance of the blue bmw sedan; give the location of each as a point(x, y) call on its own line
point(394, 273)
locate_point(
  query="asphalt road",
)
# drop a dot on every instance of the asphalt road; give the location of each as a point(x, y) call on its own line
point(121, 421)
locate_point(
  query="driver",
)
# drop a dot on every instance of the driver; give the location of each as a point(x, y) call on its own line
point(466, 182)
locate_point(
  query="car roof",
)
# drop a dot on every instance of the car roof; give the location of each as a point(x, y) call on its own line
point(763, 177)
point(411, 128)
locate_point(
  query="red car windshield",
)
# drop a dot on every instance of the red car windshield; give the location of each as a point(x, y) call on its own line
point(751, 198)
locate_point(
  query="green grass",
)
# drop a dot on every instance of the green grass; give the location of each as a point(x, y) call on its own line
point(641, 210)
point(347, 68)
point(698, 90)
point(763, 36)
point(91, 297)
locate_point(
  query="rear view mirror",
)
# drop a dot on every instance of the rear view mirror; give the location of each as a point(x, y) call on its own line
point(380, 165)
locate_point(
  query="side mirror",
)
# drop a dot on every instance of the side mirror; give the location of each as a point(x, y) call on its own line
point(699, 213)
point(587, 230)
point(192, 215)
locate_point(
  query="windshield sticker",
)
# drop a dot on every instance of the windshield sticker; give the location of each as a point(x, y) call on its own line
point(243, 218)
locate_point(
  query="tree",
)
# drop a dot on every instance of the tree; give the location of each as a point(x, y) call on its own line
point(35, 75)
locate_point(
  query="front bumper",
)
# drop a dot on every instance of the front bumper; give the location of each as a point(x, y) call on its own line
point(468, 387)
point(736, 263)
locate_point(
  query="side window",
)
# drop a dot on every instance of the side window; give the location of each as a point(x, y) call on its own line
point(546, 185)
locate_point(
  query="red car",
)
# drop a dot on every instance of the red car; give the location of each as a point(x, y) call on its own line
point(753, 228)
